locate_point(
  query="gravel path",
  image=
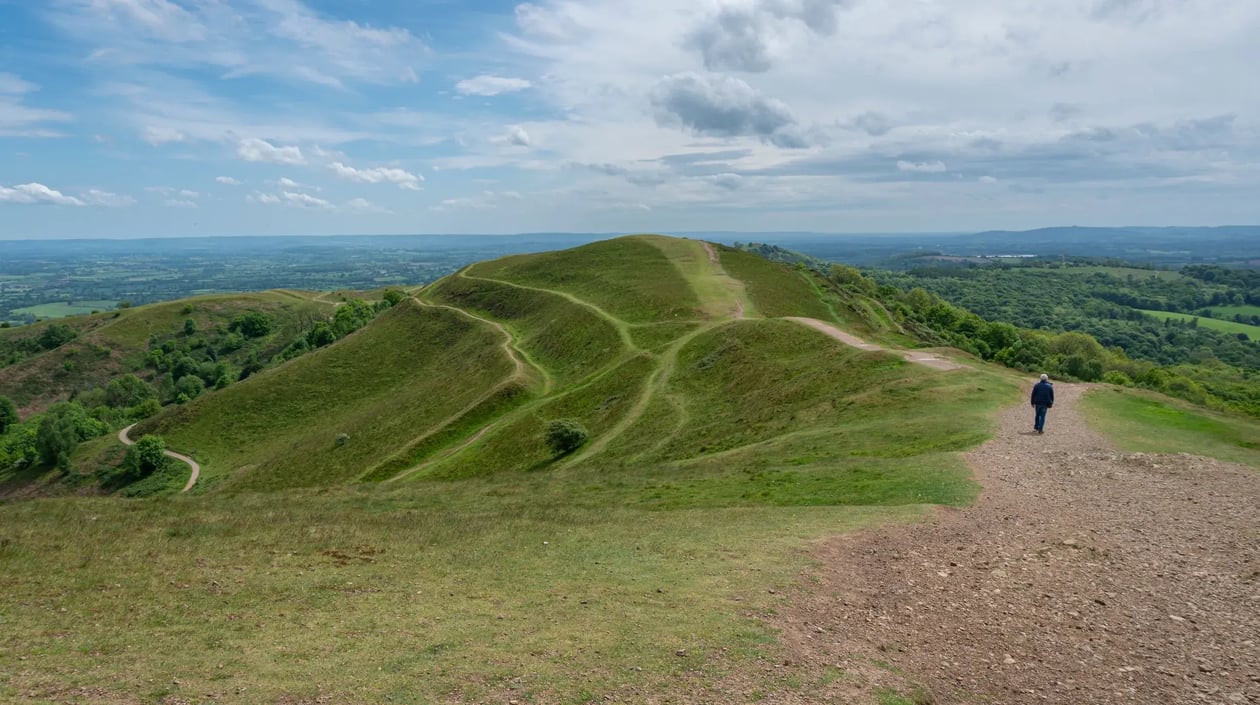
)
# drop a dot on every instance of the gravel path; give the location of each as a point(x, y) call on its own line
point(1081, 575)
point(916, 356)
point(192, 464)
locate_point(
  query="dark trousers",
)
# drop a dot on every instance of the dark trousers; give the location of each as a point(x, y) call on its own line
point(1039, 423)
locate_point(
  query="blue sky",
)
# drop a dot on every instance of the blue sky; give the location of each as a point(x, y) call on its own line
point(127, 118)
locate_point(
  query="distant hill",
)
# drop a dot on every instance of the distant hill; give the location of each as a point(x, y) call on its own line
point(1167, 246)
point(674, 355)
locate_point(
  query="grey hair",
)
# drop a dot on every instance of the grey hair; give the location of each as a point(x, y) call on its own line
point(1044, 377)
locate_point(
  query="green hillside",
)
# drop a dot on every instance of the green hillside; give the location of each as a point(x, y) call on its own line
point(101, 346)
point(670, 353)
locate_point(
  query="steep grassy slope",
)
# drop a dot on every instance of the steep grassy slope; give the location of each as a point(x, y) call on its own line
point(116, 342)
point(408, 372)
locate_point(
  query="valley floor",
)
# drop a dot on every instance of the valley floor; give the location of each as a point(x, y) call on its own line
point(1081, 575)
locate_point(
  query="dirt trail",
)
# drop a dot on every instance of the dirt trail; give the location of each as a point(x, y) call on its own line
point(196, 468)
point(917, 356)
point(1081, 575)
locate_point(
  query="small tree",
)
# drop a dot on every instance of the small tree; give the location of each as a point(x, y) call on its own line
point(190, 386)
point(146, 457)
point(190, 327)
point(8, 414)
point(563, 436)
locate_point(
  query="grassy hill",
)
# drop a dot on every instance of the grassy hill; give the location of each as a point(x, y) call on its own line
point(382, 520)
point(672, 353)
point(101, 346)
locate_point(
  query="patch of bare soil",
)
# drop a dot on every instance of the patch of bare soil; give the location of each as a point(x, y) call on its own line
point(1081, 575)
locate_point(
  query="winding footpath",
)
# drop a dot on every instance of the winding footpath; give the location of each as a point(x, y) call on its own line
point(196, 468)
point(916, 356)
point(1081, 575)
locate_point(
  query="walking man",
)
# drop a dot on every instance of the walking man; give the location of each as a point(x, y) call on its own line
point(1042, 399)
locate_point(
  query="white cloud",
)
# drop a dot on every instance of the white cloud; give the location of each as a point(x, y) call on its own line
point(36, 193)
point(282, 38)
point(158, 136)
point(378, 175)
point(180, 203)
point(290, 198)
point(263, 198)
point(12, 84)
point(97, 197)
point(491, 85)
point(253, 149)
point(362, 205)
point(486, 200)
point(227, 181)
point(516, 136)
point(987, 180)
point(189, 193)
point(20, 120)
point(305, 200)
point(922, 167)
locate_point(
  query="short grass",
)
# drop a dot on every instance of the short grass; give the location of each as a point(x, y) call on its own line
point(566, 339)
point(463, 592)
point(1140, 421)
point(628, 277)
point(405, 373)
point(775, 289)
point(1231, 327)
point(62, 309)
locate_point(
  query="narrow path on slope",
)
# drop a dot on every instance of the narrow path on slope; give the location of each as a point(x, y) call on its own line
point(511, 347)
point(916, 356)
point(623, 328)
point(193, 464)
point(1081, 575)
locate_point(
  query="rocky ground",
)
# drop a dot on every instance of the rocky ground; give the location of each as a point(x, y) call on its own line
point(1081, 575)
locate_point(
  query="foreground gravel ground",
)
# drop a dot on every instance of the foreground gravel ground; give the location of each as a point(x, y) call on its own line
point(1082, 575)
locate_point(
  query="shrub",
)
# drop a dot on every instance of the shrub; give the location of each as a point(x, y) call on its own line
point(145, 458)
point(1118, 378)
point(251, 325)
point(563, 436)
point(8, 414)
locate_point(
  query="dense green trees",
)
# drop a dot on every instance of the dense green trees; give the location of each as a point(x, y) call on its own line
point(8, 414)
point(1077, 340)
point(60, 431)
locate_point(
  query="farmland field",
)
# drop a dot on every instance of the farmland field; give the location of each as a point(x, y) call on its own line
point(63, 309)
point(1252, 332)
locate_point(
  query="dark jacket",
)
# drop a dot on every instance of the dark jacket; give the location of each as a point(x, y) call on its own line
point(1043, 394)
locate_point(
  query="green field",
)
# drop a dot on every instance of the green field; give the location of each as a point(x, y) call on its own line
point(64, 309)
point(1232, 327)
point(1227, 312)
point(1142, 421)
point(1125, 272)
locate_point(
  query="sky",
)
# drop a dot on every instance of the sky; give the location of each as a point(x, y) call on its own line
point(131, 118)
